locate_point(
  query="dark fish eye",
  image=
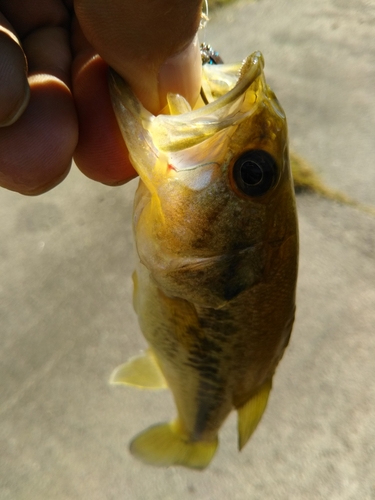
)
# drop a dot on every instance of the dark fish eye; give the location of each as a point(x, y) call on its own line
point(255, 172)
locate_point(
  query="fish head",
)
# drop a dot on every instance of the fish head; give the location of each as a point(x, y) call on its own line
point(216, 192)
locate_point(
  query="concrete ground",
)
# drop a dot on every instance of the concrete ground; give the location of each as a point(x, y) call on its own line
point(67, 320)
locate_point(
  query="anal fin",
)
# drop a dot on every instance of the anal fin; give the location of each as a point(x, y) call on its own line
point(141, 371)
point(164, 445)
point(250, 413)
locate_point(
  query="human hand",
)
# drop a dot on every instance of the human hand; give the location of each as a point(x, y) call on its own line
point(69, 111)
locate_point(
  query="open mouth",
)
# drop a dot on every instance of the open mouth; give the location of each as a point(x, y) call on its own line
point(173, 133)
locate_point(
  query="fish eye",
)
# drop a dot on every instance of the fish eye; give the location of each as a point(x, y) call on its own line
point(255, 172)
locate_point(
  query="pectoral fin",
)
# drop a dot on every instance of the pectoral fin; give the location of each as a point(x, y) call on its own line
point(251, 412)
point(164, 445)
point(141, 371)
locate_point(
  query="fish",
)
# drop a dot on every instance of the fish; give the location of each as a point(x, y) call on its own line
point(216, 234)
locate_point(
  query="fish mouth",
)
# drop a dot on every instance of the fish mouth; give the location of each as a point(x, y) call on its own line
point(173, 133)
point(151, 138)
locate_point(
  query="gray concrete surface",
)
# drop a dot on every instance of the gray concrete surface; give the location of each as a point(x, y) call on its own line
point(67, 321)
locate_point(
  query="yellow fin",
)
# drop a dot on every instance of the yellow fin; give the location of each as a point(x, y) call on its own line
point(141, 371)
point(163, 445)
point(250, 414)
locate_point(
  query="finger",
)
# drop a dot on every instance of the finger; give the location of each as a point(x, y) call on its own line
point(136, 38)
point(181, 74)
point(48, 52)
point(101, 153)
point(36, 151)
point(14, 87)
point(26, 16)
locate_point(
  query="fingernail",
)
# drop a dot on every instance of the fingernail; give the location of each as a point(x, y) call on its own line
point(18, 109)
point(14, 87)
point(181, 74)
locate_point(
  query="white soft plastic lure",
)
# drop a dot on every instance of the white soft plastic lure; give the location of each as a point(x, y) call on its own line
point(216, 233)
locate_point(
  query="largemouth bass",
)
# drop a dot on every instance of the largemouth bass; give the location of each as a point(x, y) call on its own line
point(216, 234)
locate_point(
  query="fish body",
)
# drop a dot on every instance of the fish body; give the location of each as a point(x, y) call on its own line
point(216, 234)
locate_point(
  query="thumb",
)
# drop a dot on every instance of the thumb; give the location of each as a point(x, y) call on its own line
point(152, 45)
point(180, 74)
